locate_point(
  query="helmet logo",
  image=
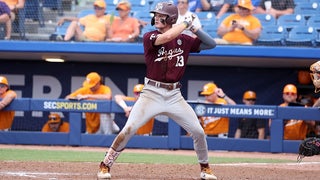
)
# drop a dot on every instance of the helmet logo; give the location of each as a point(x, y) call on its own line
point(159, 6)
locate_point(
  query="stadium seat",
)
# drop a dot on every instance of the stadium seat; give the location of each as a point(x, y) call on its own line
point(34, 10)
point(2, 31)
point(307, 9)
point(223, 17)
point(301, 36)
point(271, 36)
point(206, 16)
point(266, 19)
point(143, 30)
point(291, 20)
point(55, 5)
point(211, 30)
point(314, 21)
point(18, 25)
point(143, 15)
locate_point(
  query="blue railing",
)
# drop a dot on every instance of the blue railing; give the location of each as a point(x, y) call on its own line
point(174, 139)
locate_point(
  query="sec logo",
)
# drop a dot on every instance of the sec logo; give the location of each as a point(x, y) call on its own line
point(200, 110)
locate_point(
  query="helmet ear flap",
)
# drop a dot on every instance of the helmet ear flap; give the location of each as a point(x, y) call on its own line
point(152, 21)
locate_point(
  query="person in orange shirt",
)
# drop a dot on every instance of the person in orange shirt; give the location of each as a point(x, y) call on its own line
point(96, 26)
point(241, 27)
point(14, 6)
point(293, 129)
point(6, 97)
point(215, 126)
point(120, 100)
point(94, 89)
point(55, 124)
point(124, 28)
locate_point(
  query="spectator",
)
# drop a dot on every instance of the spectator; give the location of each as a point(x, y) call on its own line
point(250, 127)
point(294, 129)
point(241, 27)
point(193, 5)
point(5, 18)
point(215, 126)
point(94, 89)
point(96, 26)
point(219, 7)
point(55, 124)
point(14, 6)
point(120, 100)
point(124, 28)
point(6, 97)
point(183, 13)
point(277, 7)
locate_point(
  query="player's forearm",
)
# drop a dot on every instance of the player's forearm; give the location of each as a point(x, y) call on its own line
point(171, 34)
point(5, 101)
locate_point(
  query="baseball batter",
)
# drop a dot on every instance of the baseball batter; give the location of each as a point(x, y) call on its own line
point(166, 53)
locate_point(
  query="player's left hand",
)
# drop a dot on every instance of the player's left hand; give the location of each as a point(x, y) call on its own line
point(189, 20)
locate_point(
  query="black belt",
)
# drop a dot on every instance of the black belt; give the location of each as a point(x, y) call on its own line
point(168, 86)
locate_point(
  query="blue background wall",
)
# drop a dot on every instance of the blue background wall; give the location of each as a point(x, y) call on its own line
point(267, 82)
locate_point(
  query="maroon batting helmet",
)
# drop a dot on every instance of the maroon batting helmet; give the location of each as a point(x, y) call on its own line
point(166, 8)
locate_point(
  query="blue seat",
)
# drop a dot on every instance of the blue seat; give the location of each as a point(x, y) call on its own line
point(206, 16)
point(34, 10)
point(314, 21)
point(307, 9)
point(2, 30)
point(271, 36)
point(266, 19)
point(219, 21)
point(301, 36)
point(143, 30)
point(55, 5)
point(291, 20)
point(18, 25)
point(143, 15)
point(211, 30)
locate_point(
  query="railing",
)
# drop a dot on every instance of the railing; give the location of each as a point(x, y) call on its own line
point(174, 139)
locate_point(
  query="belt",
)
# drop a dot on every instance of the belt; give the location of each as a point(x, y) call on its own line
point(168, 86)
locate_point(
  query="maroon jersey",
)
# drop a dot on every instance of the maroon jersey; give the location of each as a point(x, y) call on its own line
point(167, 62)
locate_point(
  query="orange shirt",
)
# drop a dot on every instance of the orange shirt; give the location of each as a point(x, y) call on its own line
point(11, 2)
point(148, 127)
point(95, 28)
point(6, 117)
point(294, 129)
point(238, 36)
point(215, 125)
point(92, 119)
point(64, 127)
point(123, 29)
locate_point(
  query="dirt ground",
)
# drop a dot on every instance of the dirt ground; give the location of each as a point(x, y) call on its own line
point(308, 169)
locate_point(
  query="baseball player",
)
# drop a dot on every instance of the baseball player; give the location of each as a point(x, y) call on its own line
point(94, 89)
point(311, 146)
point(55, 124)
point(6, 97)
point(212, 125)
point(166, 53)
point(121, 101)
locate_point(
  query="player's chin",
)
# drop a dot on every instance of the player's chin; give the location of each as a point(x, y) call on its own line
point(158, 25)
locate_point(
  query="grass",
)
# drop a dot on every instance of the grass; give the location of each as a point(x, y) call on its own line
point(82, 156)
